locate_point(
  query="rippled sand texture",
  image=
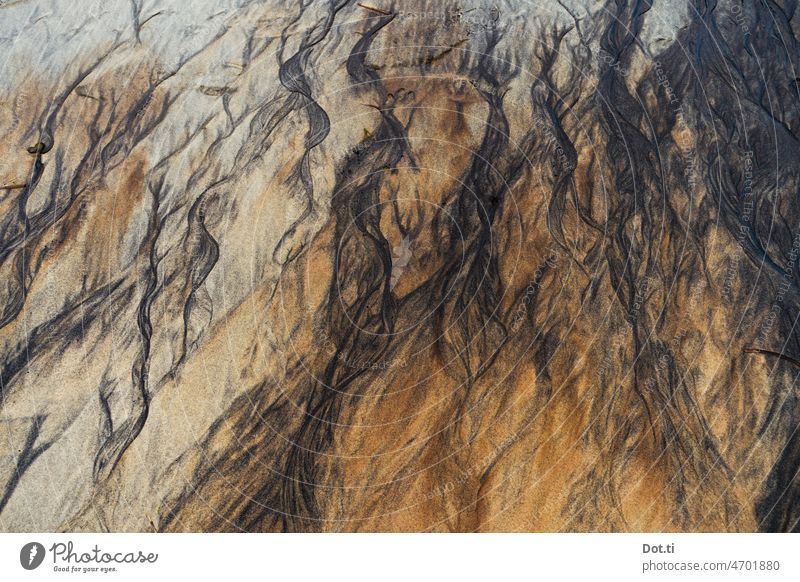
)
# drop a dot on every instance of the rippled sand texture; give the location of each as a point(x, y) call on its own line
point(300, 266)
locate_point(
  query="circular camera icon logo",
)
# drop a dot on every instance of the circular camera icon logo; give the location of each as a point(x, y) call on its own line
point(31, 555)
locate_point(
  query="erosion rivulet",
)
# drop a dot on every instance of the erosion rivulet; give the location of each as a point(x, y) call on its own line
point(328, 265)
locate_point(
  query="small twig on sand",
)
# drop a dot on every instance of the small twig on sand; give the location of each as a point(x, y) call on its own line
point(789, 359)
point(378, 10)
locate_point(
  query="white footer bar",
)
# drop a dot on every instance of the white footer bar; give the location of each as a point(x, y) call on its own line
point(380, 557)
